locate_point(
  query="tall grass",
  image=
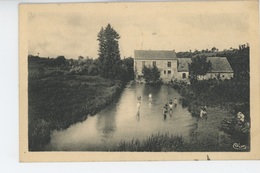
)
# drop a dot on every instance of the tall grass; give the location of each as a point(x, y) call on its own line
point(154, 143)
point(169, 143)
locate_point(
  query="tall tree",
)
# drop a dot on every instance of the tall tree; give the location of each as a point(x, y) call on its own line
point(109, 54)
point(199, 66)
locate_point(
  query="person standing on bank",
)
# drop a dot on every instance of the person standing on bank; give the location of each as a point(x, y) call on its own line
point(203, 113)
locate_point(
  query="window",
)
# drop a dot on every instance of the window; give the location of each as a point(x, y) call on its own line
point(169, 64)
point(183, 75)
point(143, 63)
point(154, 63)
point(164, 71)
point(169, 71)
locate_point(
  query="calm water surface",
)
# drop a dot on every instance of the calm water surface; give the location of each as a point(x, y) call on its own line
point(120, 121)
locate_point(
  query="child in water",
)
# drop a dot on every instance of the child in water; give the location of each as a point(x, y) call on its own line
point(150, 97)
point(165, 109)
point(170, 105)
point(175, 102)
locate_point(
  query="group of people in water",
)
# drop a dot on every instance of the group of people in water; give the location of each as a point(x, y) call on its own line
point(167, 108)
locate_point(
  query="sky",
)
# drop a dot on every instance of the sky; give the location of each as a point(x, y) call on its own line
point(71, 30)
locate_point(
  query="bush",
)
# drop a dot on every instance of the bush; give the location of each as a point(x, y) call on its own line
point(152, 75)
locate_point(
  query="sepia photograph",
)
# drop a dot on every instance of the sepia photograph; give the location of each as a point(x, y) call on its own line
point(139, 81)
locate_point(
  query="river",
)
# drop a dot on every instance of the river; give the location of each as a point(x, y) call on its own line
point(120, 122)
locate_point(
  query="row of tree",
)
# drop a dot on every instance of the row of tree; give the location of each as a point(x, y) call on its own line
point(190, 53)
point(108, 65)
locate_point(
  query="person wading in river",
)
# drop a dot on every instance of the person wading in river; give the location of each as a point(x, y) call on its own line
point(175, 102)
point(170, 107)
point(165, 110)
point(138, 104)
point(150, 96)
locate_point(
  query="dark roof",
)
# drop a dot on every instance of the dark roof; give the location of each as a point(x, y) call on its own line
point(155, 55)
point(220, 64)
point(183, 64)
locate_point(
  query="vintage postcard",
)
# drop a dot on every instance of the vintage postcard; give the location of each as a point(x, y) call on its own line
point(139, 81)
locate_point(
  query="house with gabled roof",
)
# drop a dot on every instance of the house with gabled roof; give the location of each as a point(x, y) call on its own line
point(183, 68)
point(173, 68)
point(220, 68)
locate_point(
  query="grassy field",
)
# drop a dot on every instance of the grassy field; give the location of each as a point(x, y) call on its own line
point(58, 100)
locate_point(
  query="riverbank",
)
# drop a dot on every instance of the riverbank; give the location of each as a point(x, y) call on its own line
point(204, 136)
point(226, 98)
point(58, 101)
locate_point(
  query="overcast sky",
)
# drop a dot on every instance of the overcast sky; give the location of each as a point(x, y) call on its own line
point(73, 32)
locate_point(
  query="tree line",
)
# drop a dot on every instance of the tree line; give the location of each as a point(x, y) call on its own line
point(108, 65)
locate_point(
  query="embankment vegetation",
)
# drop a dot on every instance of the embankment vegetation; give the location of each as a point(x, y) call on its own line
point(167, 143)
point(58, 98)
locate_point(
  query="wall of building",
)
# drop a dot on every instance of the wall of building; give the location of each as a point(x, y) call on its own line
point(221, 76)
point(181, 75)
point(167, 73)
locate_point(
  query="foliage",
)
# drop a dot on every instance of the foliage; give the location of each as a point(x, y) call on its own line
point(155, 143)
point(129, 63)
point(232, 95)
point(239, 61)
point(166, 142)
point(85, 67)
point(151, 75)
point(238, 131)
point(109, 55)
point(199, 66)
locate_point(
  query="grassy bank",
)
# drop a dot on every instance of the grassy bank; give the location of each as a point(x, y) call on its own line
point(204, 136)
point(58, 100)
point(231, 96)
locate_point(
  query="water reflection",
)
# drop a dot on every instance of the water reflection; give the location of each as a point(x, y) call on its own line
point(106, 123)
point(138, 116)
